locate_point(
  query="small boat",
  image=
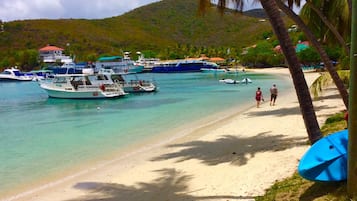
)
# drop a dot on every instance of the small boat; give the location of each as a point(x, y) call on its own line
point(148, 63)
point(14, 74)
point(132, 86)
point(180, 66)
point(326, 160)
point(118, 64)
point(246, 81)
point(229, 81)
point(81, 86)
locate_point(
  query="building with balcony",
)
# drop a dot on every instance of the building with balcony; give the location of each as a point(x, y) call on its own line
point(53, 54)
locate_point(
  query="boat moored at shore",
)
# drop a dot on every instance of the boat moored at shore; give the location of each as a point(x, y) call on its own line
point(81, 86)
point(14, 74)
point(132, 86)
point(179, 66)
point(118, 64)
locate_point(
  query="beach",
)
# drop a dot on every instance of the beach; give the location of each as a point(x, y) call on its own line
point(233, 158)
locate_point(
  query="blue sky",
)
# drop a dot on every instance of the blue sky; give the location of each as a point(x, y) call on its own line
point(55, 9)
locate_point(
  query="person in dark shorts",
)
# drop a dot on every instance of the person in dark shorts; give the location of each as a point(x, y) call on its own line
point(273, 94)
point(258, 96)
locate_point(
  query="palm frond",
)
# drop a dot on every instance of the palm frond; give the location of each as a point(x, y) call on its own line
point(325, 80)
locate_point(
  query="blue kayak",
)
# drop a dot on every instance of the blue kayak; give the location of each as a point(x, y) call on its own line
point(326, 160)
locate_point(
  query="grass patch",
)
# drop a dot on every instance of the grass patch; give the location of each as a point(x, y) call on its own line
point(334, 123)
point(297, 188)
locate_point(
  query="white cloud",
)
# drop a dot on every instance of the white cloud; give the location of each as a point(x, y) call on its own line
point(54, 9)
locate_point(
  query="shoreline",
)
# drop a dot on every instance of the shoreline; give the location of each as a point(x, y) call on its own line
point(210, 162)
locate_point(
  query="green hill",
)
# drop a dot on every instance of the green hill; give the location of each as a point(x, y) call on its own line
point(155, 27)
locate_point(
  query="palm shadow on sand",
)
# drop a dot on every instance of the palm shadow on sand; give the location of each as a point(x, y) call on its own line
point(172, 185)
point(231, 149)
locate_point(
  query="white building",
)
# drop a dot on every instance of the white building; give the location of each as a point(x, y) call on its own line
point(52, 54)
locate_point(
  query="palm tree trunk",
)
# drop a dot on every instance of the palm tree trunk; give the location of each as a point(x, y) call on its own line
point(352, 121)
point(330, 68)
point(301, 88)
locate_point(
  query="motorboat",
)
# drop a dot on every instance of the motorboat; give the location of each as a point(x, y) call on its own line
point(81, 86)
point(229, 81)
point(118, 64)
point(132, 86)
point(14, 74)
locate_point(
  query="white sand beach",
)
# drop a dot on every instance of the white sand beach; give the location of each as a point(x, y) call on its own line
point(235, 158)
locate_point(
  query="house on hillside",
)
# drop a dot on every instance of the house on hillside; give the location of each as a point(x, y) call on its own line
point(217, 60)
point(53, 54)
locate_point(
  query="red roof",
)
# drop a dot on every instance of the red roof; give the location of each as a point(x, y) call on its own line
point(216, 59)
point(51, 48)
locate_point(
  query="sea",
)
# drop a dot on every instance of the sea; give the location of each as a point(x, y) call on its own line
point(42, 137)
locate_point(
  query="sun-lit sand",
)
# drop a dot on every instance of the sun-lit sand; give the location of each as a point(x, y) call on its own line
point(235, 158)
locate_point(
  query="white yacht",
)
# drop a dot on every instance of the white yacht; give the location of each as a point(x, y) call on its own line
point(14, 74)
point(82, 86)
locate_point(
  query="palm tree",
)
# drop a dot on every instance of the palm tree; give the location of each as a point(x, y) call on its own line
point(331, 69)
point(328, 18)
point(352, 125)
point(299, 81)
point(297, 75)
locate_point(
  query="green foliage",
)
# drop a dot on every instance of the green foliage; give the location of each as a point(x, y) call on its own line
point(334, 123)
point(168, 29)
point(344, 63)
point(267, 34)
point(262, 53)
point(309, 56)
point(334, 53)
point(325, 79)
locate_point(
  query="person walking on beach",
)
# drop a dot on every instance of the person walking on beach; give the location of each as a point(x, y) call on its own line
point(273, 94)
point(258, 96)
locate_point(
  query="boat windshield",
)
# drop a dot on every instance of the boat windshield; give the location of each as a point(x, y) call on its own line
point(81, 80)
point(59, 80)
point(6, 73)
point(102, 77)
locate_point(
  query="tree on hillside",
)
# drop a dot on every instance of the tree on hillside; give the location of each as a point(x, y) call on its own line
point(297, 75)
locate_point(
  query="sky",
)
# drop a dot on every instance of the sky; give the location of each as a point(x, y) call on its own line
point(11, 10)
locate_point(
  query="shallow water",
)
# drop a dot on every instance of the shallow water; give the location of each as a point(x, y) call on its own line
point(41, 136)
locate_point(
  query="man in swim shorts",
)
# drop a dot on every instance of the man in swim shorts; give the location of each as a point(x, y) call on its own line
point(273, 94)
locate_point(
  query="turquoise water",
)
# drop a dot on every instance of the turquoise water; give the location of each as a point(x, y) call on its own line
point(41, 136)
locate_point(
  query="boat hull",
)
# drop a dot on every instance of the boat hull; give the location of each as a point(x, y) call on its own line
point(139, 89)
point(68, 94)
point(183, 66)
point(81, 86)
point(15, 79)
point(213, 70)
point(326, 160)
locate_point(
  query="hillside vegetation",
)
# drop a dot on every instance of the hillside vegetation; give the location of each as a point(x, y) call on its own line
point(156, 27)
